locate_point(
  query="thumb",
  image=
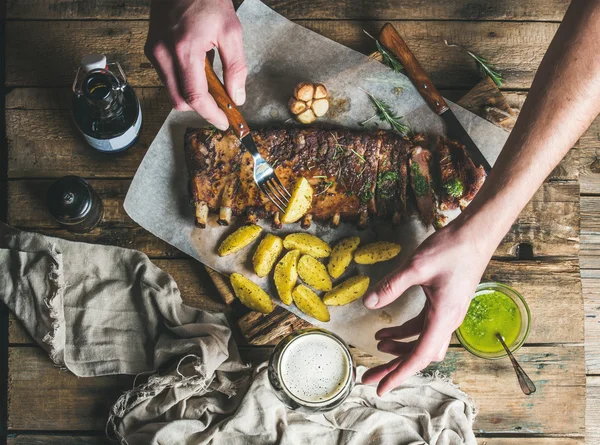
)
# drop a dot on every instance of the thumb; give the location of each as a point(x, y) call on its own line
point(231, 51)
point(391, 287)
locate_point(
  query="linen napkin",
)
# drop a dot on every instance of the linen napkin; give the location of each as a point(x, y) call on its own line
point(102, 310)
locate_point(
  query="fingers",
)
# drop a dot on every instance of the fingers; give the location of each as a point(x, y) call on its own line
point(412, 327)
point(427, 349)
point(162, 61)
point(194, 87)
point(231, 51)
point(391, 287)
point(396, 347)
point(375, 374)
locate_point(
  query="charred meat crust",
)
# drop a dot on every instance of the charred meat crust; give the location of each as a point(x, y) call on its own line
point(353, 174)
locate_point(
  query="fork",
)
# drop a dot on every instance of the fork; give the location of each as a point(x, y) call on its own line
point(264, 175)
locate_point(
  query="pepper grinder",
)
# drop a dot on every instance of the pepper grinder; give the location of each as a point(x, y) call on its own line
point(75, 204)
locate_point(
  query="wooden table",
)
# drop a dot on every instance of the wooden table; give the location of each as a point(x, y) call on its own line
point(45, 39)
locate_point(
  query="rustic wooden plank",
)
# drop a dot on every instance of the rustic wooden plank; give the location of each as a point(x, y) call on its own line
point(538, 10)
point(590, 159)
point(590, 279)
point(43, 397)
point(593, 410)
point(550, 223)
point(34, 439)
point(62, 401)
point(514, 48)
point(590, 232)
point(192, 279)
point(43, 142)
point(551, 288)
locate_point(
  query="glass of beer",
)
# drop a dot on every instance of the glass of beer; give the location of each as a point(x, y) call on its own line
point(312, 370)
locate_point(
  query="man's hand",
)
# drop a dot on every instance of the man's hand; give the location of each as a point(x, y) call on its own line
point(448, 266)
point(181, 33)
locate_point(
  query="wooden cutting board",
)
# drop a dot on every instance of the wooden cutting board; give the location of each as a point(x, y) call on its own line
point(485, 100)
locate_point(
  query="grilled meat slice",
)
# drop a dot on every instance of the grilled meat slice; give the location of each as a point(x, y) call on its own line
point(460, 179)
point(420, 179)
point(392, 178)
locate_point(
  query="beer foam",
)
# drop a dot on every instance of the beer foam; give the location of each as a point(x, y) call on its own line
point(314, 368)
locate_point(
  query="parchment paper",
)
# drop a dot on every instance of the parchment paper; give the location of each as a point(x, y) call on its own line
point(280, 54)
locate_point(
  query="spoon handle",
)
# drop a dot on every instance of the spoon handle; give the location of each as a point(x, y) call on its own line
point(527, 386)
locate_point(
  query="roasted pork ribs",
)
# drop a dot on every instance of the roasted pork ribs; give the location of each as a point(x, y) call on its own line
point(354, 175)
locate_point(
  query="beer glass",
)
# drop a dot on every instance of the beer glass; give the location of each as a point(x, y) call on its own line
point(312, 370)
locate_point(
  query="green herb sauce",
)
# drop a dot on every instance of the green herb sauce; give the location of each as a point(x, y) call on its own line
point(454, 188)
point(491, 312)
point(420, 184)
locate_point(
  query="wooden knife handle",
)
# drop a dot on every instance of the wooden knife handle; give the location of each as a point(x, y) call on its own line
point(217, 90)
point(392, 41)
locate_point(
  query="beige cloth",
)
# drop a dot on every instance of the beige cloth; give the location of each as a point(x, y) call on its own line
point(102, 310)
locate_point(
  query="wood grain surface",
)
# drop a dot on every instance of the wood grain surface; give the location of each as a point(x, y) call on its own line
point(43, 144)
point(515, 48)
point(536, 10)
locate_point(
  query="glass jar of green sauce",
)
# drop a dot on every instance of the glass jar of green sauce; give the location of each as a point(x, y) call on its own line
point(495, 308)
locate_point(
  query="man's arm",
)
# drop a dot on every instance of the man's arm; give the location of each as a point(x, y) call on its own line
point(563, 101)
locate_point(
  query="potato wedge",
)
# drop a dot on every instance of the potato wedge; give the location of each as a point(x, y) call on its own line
point(300, 202)
point(347, 291)
point(239, 239)
point(286, 275)
point(314, 273)
point(376, 252)
point(310, 303)
point(341, 256)
point(266, 254)
point(251, 294)
point(307, 244)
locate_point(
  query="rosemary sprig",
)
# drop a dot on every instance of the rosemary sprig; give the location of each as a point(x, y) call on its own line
point(358, 154)
point(328, 185)
point(212, 130)
point(387, 58)
point(484, 66)
point(385, 114)
point(339, 148)
point(319, 177)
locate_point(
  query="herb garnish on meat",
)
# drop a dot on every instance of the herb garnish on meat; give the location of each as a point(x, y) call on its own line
point(454, 188)
point(420, 184)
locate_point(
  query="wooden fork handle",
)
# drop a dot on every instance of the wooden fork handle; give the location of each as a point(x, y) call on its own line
point(217, 90)
point(392, 41)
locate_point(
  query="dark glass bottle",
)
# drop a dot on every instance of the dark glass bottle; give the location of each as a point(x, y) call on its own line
point(105, 107)
point(75, 204)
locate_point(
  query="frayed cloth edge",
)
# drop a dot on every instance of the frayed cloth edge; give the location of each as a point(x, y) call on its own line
point(157, 384)
point(437, 376)
point(56, 338)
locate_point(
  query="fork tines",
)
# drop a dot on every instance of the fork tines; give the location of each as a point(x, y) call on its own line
point(277, 193)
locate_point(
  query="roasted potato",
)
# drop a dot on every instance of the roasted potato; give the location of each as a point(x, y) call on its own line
point(310, 303)
point(239, 239)
point(286, 275)
point(314, 273)
point(347, 291)
point(341, 256)
point(266, 254)
point(376, 252)
point(251, 294)
point(300, 202)
point(307, 244)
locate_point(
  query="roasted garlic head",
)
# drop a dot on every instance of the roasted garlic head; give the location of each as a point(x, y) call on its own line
point(309, 102)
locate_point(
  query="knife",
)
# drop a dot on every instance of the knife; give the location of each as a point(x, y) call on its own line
point(392, 41)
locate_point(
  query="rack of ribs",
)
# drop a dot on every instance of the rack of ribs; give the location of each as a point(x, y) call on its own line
point(355, 175)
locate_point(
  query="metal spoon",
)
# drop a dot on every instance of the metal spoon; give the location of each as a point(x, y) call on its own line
point(525, 382)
